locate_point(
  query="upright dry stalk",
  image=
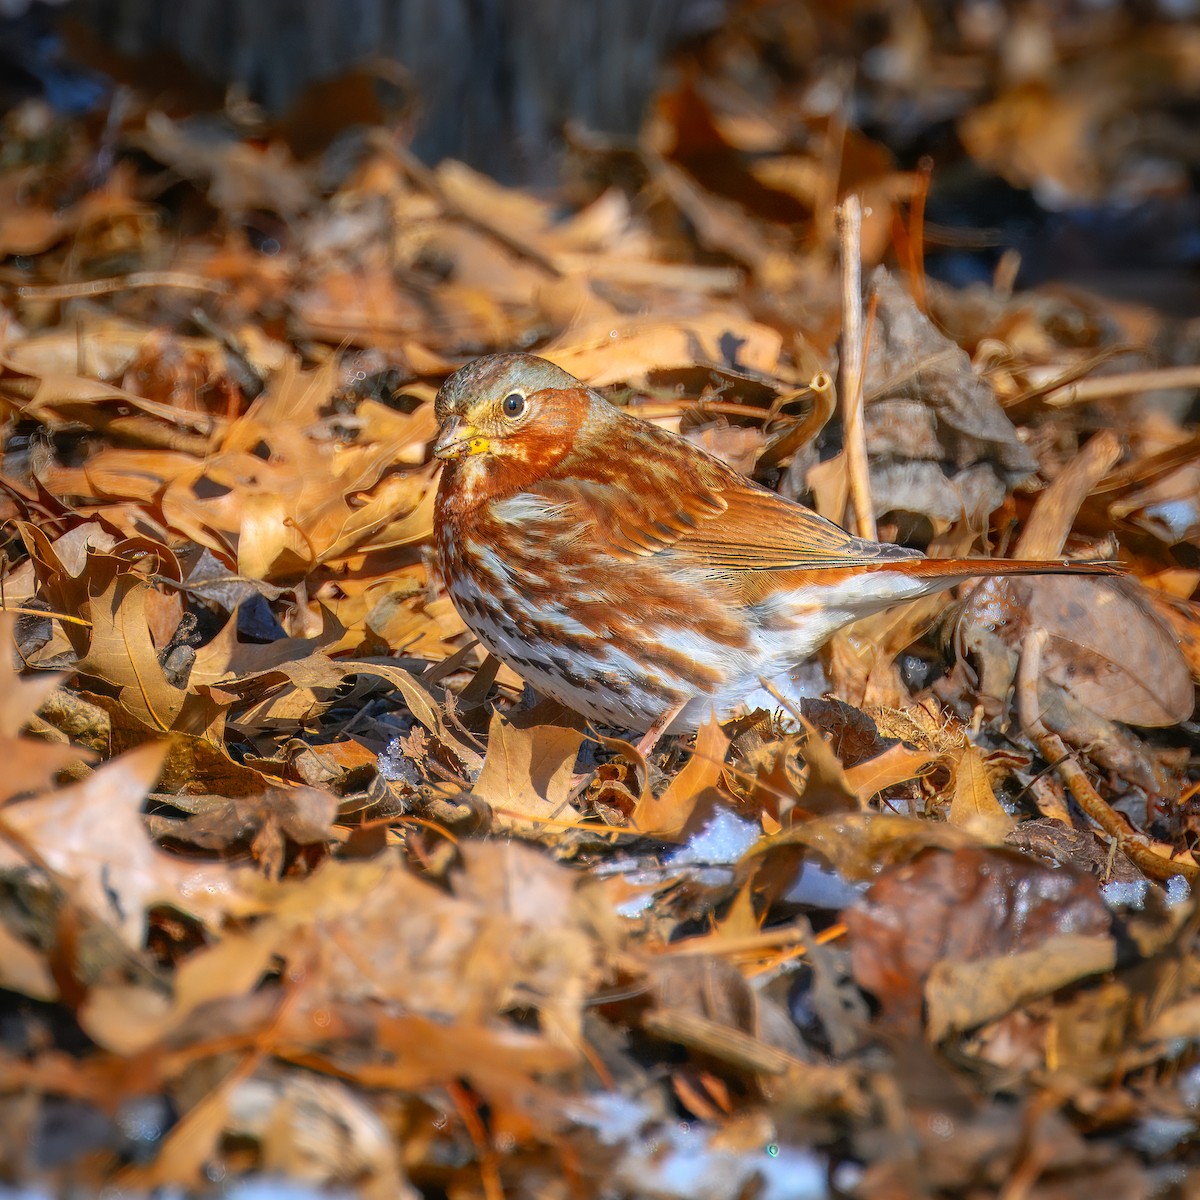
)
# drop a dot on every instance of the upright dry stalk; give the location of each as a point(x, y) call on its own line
point(849, 215)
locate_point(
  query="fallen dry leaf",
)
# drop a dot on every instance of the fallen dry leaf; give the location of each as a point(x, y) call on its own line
point(960, 907)
point(528, 773)
point(91, 838)
point(973, 803)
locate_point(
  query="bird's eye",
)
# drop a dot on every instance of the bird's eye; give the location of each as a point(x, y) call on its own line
point(513, 404)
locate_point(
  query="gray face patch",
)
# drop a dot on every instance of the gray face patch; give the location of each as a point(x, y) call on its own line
point(492, 377)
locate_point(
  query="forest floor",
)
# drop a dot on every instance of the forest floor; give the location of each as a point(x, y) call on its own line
point(293, 884)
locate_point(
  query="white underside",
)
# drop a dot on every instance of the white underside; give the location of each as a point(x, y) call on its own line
point(789, 629)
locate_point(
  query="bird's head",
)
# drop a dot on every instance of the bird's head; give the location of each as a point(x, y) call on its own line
point(505, 420)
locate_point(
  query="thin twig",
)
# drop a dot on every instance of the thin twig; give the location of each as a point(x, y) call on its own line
point(783, 445)
point(753, 943)
point(916, 234)
point(653, 410)
point(122, 283)
point(42, 612)
point(1057, 507)
point(854, 433)
point(832, 157)
point(724, 1042)
point(1105, 387)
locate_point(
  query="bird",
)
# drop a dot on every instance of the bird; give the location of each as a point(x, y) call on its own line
point(628, 574)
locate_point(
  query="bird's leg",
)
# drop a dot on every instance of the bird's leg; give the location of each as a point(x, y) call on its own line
point(650, 739)
point(652, 735)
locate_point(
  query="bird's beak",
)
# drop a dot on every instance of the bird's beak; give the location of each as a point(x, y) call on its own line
point(459, 440)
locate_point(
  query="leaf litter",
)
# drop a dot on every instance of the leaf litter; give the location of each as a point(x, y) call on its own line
point(294, 883)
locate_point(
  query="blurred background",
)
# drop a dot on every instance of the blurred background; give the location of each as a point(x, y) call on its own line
point(242, 243)
point(1065, 134)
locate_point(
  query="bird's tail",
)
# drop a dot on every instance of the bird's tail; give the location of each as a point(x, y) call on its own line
point(951, 569)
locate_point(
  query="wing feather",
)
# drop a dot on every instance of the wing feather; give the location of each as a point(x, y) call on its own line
point(762, 531)
point(702, 512)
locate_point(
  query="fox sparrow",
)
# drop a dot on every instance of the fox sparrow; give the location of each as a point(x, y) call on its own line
point(631, 576)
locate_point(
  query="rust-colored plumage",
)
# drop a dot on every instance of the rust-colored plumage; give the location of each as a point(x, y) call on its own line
point(628, 574)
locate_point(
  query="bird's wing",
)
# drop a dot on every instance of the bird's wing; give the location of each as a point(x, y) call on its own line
point(761, 531)
point(662, 495)
point(651, 493)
